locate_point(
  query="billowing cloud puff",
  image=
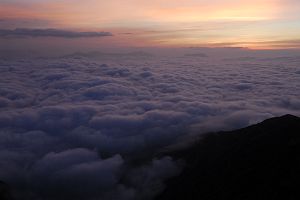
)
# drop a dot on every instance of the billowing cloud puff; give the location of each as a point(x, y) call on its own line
point(148, 178)
point(76, 168)
point(25, 32)
point(80, 123)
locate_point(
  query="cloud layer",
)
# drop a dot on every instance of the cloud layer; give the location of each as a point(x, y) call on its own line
point(25, 32)
point(81, 123)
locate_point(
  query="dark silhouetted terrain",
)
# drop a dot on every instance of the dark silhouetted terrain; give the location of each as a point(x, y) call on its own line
point(4, 191)
point(258, 162)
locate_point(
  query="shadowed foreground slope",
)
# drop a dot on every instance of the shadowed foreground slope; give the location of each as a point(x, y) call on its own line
point(4, 191)
point(258, 162)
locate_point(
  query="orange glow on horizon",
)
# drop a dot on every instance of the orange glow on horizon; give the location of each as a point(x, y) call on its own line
point(180, 23)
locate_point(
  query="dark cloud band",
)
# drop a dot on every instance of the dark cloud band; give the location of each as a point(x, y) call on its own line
point(24, 32)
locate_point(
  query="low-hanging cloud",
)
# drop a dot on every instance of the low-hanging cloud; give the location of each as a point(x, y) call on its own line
point(25, 32)
point(76, 128)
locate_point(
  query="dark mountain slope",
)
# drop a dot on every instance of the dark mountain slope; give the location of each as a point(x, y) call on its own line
point(258, 162)
point(4, 191)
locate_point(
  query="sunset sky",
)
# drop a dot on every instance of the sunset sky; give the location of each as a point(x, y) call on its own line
point(213, 23)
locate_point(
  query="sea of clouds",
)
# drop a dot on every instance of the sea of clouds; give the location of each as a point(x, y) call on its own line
point(80, 128)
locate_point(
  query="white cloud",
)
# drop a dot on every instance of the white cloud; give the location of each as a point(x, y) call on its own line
point(73, 121)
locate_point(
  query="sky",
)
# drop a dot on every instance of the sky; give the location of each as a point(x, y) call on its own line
point(257, 24)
